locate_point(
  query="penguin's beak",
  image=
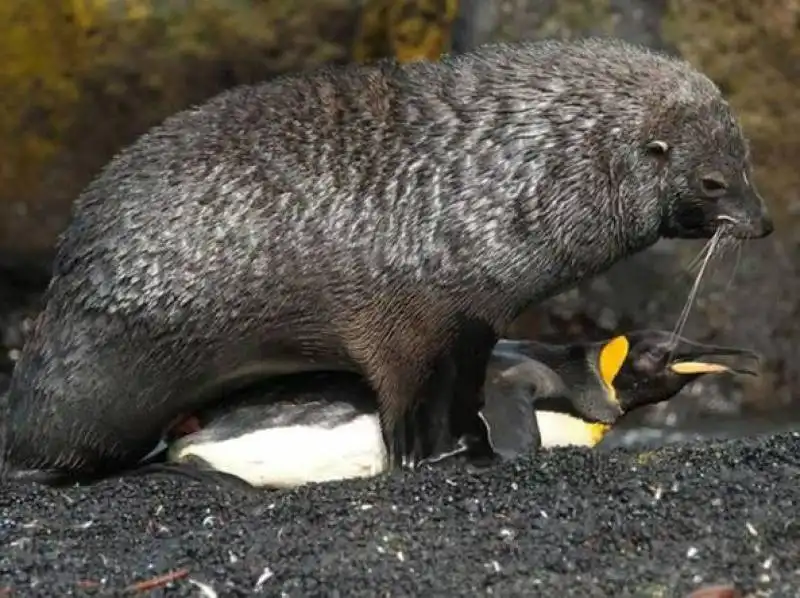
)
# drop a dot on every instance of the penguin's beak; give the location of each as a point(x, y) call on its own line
point(698, 359)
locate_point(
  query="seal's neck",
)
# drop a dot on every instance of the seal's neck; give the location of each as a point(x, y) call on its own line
point(530, 189)
point(541, 221)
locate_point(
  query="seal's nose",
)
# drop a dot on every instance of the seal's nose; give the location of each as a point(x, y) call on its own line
point(757, 220)
point(762, 223)
point(766, 226)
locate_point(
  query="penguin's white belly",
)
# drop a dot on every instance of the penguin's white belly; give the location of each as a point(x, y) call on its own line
point(289, 456)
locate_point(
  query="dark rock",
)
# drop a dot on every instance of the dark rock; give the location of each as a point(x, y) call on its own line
point(720, 591)
point(83, 82)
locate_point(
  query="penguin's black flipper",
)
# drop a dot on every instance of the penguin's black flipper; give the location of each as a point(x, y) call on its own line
point(509, 410)
point(510, 425)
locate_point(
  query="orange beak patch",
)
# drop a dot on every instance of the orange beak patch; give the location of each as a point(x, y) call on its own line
point(698, 367)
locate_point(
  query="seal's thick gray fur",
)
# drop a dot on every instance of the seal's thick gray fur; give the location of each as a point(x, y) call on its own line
point(388, 219)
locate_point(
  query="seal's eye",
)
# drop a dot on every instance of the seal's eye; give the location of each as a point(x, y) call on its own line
point(713, 185)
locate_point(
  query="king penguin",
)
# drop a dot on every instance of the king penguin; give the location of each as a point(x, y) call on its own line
point(324, 426)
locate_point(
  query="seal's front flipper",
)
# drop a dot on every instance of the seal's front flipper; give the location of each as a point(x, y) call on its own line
point(426, 429)
point(461, 448)
point(412, 442)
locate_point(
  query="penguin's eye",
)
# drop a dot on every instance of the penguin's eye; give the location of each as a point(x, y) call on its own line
point(651, 362)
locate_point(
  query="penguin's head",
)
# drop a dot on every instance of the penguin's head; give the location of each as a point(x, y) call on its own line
point(602, 381)
point(658, 365)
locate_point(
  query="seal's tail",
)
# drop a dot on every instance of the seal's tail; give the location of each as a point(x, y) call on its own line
point(7, 472)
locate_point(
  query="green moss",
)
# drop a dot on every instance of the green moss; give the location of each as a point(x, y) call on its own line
point(569, 19)
point(406, 29)
point(83, 78)
point(554, 19)
point(40, 53)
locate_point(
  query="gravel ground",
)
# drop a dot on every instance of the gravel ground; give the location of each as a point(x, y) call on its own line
point(654, 524)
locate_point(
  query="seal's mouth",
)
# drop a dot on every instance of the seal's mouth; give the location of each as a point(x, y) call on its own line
point(735, 215)
point(739, 229)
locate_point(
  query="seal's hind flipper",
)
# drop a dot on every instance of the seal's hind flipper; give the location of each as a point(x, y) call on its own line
point(192, 468)
point(154, 464)
point(53, 479)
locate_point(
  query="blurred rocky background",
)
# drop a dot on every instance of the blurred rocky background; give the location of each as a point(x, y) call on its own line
point(82, 78)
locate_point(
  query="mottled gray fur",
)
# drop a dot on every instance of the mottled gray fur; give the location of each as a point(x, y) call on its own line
point(370, 218)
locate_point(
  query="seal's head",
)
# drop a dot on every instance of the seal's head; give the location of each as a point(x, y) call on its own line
point(679, 146)
point(706, 175)
point(680, 154)
point(641, 145)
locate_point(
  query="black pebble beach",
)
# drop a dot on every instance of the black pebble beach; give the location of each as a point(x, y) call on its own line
point(565, 523)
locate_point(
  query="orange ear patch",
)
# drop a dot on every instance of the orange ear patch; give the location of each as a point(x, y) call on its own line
point(612, 356)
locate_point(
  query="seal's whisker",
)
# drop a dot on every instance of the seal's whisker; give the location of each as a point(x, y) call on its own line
point(724, 248)
point(698, 259)
point(684, 316)
point(738, 245)
point(720, 251)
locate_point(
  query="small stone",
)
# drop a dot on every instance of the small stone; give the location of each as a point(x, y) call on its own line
point(717, 591)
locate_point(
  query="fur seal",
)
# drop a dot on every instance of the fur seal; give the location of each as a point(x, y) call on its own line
point(319, 427)
point(387, 219)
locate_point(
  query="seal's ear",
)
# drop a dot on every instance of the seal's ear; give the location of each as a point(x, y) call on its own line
point(611, 358)
point(658, 148)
